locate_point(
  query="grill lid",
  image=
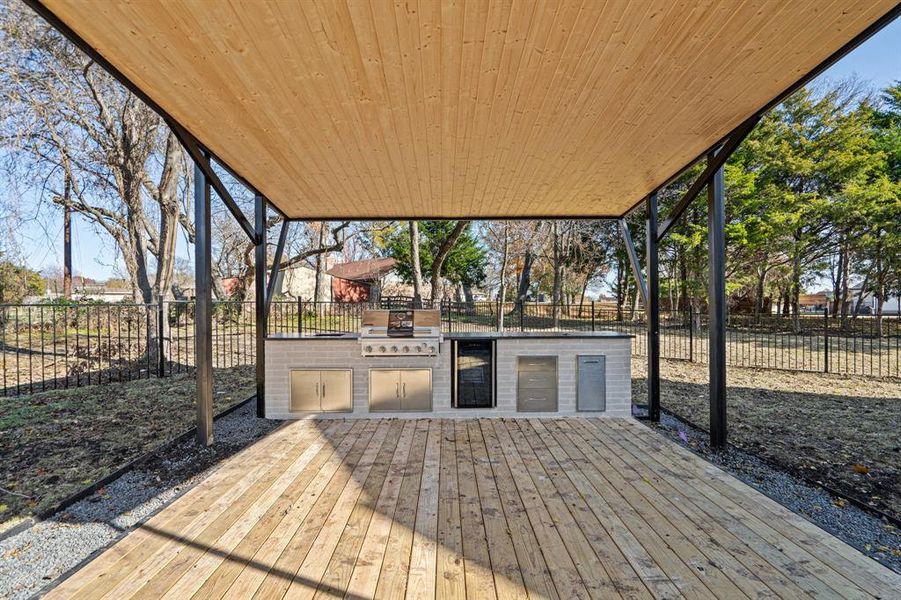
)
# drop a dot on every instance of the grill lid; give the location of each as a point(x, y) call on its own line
point(400, 323)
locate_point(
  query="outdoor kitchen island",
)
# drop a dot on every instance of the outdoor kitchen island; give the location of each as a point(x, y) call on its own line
point(421, 372)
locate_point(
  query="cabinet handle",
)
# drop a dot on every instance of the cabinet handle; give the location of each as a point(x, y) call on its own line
point(323, 390)
point(405, 390)
point(397, 390)
point(317, 389)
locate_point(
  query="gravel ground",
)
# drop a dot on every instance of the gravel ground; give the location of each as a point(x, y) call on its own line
point(31, 560)
point(56, 443)
point(874, 537)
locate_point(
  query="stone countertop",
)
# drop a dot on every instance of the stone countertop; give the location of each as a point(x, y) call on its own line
point(469, 335)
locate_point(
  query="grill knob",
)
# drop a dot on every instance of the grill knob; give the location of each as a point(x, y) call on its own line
point(382, 348)
point(368, 348)
point(419, 348)
point(406, 348)
point(394, 348)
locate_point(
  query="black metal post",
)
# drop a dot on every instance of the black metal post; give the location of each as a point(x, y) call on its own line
point(652, 312)
point(826, 339)
point(161, 342)
point(260, 300)
point(716, 242)
point(299, 316)
point(592, 315)
point(691, 334)
point(203, 314)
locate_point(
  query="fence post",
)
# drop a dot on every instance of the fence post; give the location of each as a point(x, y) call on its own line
point(522, 312)
point(299, 316)
point(444, 306)
point(160, 329)
point(592, 315)
point(691, 334)
point(826, 339)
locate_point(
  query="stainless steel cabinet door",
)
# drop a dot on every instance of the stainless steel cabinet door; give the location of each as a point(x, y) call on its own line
point(384, 389)
point(304, 391)
point(416, 389)
point(336, 390)
point(591, 391)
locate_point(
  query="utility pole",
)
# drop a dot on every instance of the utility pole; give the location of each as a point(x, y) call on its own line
point(67, 241)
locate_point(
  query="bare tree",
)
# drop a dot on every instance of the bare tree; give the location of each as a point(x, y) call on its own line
point(92, 146)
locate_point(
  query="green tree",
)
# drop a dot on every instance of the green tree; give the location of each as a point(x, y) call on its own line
point(461, 260)
point(17, 282)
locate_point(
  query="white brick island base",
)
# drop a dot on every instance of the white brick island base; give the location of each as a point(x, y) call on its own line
point(284, 354)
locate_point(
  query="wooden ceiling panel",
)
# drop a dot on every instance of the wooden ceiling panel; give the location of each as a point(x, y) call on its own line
point(452, 108)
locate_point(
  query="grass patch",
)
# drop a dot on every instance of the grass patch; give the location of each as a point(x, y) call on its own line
point(56, 442)
point(841, 431)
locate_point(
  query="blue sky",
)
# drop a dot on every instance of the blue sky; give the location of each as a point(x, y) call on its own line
point(876, 61)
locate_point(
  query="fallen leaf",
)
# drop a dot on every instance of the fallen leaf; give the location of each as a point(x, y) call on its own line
point(839, 502)
point(859, 468)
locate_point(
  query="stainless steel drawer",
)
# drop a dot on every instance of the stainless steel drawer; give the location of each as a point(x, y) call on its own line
point(537, 379)
point(537, 363)
point(537, 400)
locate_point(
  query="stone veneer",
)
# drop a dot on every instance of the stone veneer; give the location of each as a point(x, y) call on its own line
point(283, 355)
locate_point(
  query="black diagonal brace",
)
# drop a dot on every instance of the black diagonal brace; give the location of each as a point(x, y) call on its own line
point(633, 260)
point(729, 147)
point(276, 263)
point(199, 157)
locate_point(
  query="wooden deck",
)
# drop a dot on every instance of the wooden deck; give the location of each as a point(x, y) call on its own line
point(564, 508)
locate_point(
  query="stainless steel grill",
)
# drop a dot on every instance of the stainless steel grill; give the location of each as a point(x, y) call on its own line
point(400, 333)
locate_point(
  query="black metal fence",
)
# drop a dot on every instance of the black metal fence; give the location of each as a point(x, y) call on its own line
point(63, 345)
point(54, 346)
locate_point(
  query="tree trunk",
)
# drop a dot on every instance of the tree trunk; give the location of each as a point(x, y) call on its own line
point(439, 258)
point(502, 283)
point(880, 283)
point(522, 290)
point(796, 283)
point(416, 266)
point(759, 293)
point(67, 249)
point(845, 300)
point(620, 291)
point(320, 292)
point(557, 288)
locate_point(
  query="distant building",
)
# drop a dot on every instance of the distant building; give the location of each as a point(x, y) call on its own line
point(817, 302)
point(299, 281)
point(868, 305)
point(360, 280)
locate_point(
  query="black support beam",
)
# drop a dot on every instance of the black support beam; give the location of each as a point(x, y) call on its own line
point(633, 260)
point(716, 305)
point(276, 264)
point(713, 166)
point(198, 156)
point(259, 295)
point(652, 312)
point(203, 312)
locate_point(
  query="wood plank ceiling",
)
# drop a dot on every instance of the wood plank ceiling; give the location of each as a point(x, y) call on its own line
point(507, 108)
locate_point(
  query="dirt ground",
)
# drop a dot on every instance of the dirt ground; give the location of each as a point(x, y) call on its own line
point(844, 432)
point(57, 442)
